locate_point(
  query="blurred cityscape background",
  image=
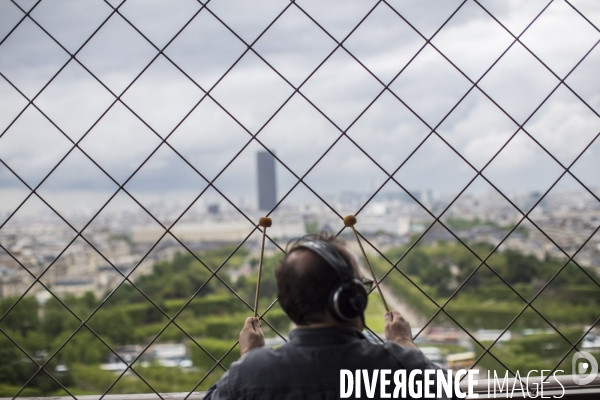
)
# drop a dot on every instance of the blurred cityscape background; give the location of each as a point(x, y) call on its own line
point(141, 141)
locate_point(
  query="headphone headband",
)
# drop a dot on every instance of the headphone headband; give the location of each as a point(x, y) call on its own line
point(348, 300)
point(331, 256)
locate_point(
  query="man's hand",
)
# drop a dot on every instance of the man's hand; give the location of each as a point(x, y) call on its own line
point(398, 329)
point(251, 335)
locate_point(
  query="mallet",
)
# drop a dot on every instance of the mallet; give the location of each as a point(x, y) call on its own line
point(350, 221)
point(263, 222)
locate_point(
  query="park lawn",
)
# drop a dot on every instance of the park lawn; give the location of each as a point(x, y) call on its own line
point(375, 314)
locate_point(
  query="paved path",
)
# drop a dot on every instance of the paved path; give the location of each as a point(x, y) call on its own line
point(394, 302)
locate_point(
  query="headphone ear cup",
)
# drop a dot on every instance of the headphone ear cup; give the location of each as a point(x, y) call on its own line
point(348, 301)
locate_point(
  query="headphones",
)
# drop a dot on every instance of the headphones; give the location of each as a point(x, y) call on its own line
point(348, 299)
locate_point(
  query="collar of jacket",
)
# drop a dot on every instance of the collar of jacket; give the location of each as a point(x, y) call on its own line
point(324, 336)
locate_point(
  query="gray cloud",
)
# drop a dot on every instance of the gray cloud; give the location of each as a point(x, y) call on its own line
point(341, 89)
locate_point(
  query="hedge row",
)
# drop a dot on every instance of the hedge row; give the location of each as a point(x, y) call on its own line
point(496, 306)
point(213, 326)
point(214, 304)
point(217, 348)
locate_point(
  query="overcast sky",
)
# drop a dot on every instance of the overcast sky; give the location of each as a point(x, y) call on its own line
point(328, 104)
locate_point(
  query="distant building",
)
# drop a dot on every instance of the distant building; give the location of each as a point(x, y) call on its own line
point(213, 208)
point(267, 189)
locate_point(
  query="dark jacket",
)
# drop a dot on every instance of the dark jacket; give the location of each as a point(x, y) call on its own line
point(308, 366)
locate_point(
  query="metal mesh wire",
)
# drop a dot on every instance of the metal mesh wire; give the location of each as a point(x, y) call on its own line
point(250, 48)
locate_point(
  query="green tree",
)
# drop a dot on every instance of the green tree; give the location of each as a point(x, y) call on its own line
point(15, 367)
point(521, 268)
point(83, 348)
point(23, 317)
point(56, 319)
point(113, 324)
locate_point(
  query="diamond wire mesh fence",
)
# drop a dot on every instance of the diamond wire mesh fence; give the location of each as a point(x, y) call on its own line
point(518, 87)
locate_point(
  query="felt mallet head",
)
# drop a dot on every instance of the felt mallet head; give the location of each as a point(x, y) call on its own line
point(349, 220)
point(265, 222)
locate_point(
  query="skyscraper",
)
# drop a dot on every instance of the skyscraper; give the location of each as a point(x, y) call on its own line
point(267, 189)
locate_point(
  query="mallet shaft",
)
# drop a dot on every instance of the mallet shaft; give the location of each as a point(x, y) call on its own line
point(260, 263)
point(370, 268)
